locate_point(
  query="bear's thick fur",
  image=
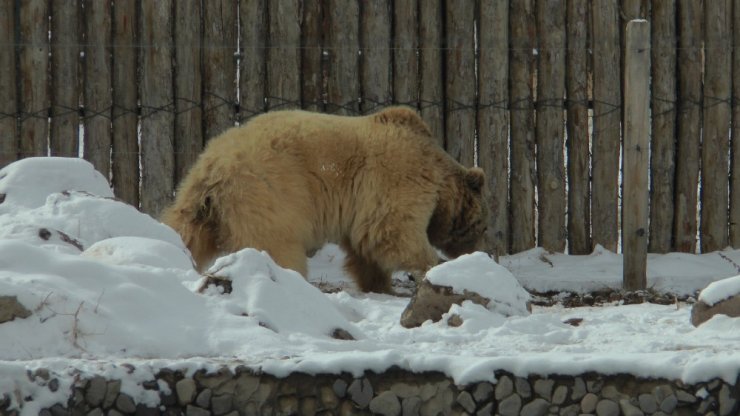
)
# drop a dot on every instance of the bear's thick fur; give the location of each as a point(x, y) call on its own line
point(287, 182)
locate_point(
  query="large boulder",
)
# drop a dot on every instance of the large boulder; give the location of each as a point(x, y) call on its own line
point(721, 297)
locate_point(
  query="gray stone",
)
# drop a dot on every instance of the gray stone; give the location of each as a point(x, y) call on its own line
point(662, 391)
point(386, 404)
point(607, 407)
point(441, 402)
point(95, 393)
point(504, 388)
point(714, 384)
point(221, 404)
point(483, 392)
point(579, 389)
point(465, 400)
point(288, 405)
point(510, 406)
point(543, 388)
point(242, 388)
point(111, 393)
point(685, 397)
point(628, 409)
point(572, 410)
point(702, 312)
point(411, 406)
point(588, 403)
point(328, 397)
point(612, 393)
point(95, 412)
point(404, 390)
point(203, 399)
point(191, 410)
point(340, 388)
point(522, 387)
point(114, 412)
point(726, 402)
point(648, 403)
point(308, 406)
point(186, 390)
point(537, 407)
point(594, 386)
point(430, 302)
point(668, 405)
point(10, 309)
point(560, 395)
point(427, 391)
point(486, 410)
point(361, 392)
point(706, 405)
point(125, 403)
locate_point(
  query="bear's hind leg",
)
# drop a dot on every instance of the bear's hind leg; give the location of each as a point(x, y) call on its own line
point(367, 274)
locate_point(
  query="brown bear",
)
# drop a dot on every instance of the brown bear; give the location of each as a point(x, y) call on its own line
point(288, 182)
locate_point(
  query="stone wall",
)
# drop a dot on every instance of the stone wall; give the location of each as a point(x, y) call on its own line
point(395, 392)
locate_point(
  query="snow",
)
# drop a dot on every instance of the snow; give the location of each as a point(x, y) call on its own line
point(111, 288)
point(720, 290)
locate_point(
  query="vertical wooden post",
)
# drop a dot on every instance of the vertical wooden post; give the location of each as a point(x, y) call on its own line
point(284, 55)
point(716, 129)
point(188, 140)
point(125, 95)
point(493, 120)
point(521, 76)
point(157, 119)
point(690, 65)
point(735, 163)
point(219, 60)
point(252, 81)
point(405, 53)
point(34, 82)
point(577, 83)
point(312, 44)
point(65, 60)
point(460, 81)
point(663, 154)
point(431, 94)
point(607, 99)
point(636, 151)
point(343, 85)
point(375, 65)
point(98, 97)
point(549, 128)
point(8, 104)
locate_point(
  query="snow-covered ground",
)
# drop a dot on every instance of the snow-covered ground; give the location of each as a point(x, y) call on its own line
point(107, 284)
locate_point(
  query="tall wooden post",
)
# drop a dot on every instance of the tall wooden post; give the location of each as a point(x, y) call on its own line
point(636, 154)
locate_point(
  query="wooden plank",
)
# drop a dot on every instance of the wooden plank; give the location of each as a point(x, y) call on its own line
point(125, 142)
point(460, 101)
point(663, 99)
point(405, 52)
point(252, 81)
point(431, 85)
point(690, 66)
point(219, 65)
point(34, 82)
point(342, 45)
point(550, 129)
point(493, 120)
point(9, 145)
point(188, 140)
point(636, 154)
point(375, 63)
point(577, 84)
point(735, 162)
point(284, 55)
point(715, 138)
point(521, 75)
point(157, 119)
point(312, 69)
point(606, 123)
point(65, 60)
point(98, 97)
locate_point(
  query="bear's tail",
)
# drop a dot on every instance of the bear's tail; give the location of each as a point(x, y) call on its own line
point(195, 218)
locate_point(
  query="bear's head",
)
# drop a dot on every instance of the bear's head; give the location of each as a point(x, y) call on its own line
point(460, 218)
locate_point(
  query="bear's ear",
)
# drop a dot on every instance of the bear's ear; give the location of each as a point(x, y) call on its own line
point(403, 117)
point(475, 179)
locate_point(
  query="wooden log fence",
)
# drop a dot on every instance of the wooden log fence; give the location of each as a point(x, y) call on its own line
point(532, 91)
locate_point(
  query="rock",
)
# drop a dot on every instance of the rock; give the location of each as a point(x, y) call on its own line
point(125, 403)
point(572, 410)
point(196, 411)
point(482, 392)
point(648, 403)
point(588, 403)
point(10, 309)
point(186, 390)
point(221, 404)
point(111, 393)
point(579, 389)
point(465, 400)
point(560, 395)
point(486, 410)
point(308, 406)
point(203, 399)
point(288, 405)
point(404, 390)
point(702, 312)
point(340, 388)
point(328, 397)
point(543, 388)
point(537, 407)
point(95, 393)
point(504, 388)
point(726, 402)
point(668, 405)
point(411, 406)
point(430, 302)
point(522, 387)
point(607, 408)
point(628, 409)
point(510, 406)
point(386, 404)
point(361, 392)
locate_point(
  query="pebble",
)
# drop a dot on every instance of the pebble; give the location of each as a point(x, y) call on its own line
point(607, 407)
point(504, 388)
point(386, 404)
point(510, 406)
point(537, 407)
